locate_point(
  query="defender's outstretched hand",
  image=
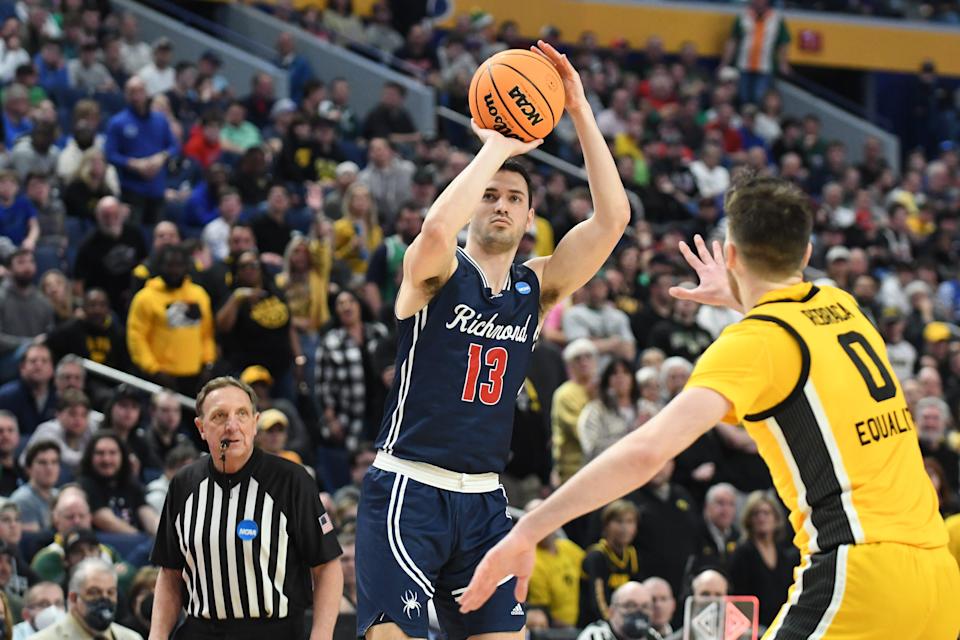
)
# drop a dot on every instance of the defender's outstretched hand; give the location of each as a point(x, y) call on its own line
point(513, 146)
point(714, 288)
point(514, 555)
point(572, 86)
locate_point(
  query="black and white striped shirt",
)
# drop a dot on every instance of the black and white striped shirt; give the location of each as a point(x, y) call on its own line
point(245, 542)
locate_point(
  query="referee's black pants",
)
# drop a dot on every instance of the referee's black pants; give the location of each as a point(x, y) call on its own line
point(289, 628)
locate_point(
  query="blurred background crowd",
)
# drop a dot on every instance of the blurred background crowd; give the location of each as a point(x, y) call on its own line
point(159, 221)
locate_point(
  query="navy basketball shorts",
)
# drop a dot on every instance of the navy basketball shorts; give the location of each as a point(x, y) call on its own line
point(417, 543)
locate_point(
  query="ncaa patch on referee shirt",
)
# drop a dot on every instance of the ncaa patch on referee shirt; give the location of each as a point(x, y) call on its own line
point(247, 530)
point(326, 525)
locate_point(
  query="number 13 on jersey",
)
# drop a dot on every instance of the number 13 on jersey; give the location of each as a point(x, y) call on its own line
point(496, 359)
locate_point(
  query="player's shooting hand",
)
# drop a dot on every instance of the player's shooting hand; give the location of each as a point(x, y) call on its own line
point(572, 85)
point(514, 555)
point(714, 288)
point(512, 146)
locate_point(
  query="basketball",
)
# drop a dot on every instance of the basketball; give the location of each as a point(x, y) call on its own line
point(518, 93)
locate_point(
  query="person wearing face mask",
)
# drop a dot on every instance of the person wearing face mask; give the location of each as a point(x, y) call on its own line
point(630, 610)
point(92, 606)
point(42, 607)
point(170, 328)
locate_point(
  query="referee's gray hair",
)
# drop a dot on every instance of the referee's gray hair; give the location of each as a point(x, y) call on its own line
point(221, 383)
point(85, 569)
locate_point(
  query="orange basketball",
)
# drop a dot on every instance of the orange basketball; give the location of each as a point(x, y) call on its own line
point(518, 93)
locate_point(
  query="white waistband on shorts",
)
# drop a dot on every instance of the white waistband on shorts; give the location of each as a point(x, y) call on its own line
point(438, 477)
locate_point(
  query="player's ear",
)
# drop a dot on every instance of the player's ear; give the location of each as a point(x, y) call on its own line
point(199, 424)
point(806, 256)
point(729, 254)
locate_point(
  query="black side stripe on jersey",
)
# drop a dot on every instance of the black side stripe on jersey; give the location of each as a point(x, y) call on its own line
point(823, 491)
point(814, 290)
point(804, 368)
point(818, 595)
point(810, 454)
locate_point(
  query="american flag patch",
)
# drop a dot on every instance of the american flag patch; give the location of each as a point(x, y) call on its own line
point(326, 525)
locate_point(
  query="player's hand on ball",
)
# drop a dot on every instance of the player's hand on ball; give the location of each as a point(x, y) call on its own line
point(514, 555)
point(576, 99)
point(513, 146)
point(714, 287)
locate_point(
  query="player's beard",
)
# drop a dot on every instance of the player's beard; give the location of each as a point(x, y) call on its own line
point(498, 239)
point(734, 287)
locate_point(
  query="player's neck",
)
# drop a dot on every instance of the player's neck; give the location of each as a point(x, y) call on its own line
point(752, 289)
point(495, 266)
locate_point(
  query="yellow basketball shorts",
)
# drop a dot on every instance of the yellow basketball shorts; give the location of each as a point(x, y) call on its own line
point(872, 592)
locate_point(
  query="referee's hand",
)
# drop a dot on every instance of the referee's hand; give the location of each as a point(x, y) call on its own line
point(512, 556)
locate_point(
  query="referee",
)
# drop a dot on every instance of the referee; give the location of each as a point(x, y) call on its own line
point(242, 536)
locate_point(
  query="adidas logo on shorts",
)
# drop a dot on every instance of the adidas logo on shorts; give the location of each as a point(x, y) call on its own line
point(517, 610)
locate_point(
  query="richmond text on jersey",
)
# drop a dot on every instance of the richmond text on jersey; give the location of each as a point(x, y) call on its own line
point(461, 361)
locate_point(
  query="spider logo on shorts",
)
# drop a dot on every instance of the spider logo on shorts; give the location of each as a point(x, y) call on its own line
point(410, 604)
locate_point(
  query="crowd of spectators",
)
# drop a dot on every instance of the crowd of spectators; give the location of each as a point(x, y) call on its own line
point(157, 220)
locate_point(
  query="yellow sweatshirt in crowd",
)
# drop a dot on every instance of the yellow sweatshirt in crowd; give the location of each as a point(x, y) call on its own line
point(171, 330)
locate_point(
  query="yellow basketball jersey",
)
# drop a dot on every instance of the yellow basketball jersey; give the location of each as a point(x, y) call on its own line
point(807, 375)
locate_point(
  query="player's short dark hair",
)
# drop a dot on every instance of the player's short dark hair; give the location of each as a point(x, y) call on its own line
point(513, 166)
point(770, 222)
point(39, 447)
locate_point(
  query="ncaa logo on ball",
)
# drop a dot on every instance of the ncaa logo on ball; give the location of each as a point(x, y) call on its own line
point(247, 530)
point(523, 288)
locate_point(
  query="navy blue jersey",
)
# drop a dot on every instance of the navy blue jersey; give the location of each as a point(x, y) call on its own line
point(461, 361)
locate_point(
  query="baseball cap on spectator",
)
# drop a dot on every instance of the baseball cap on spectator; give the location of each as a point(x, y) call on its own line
point(939, 332)
point(78, 536)
point(728, 74)
point(889, 315)
point(346, 167)
point(256, 373)
point(577, 348)
point(272, 418)
point(284, 105)
point(6, 549)
point(212, 57)
point(916, 287)
point(163, 42)
point(837, 253)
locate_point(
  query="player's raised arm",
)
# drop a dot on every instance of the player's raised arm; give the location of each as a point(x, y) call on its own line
point(584, 249)
point(431, 258)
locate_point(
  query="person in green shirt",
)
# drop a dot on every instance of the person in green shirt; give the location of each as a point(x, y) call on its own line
point(237, 134)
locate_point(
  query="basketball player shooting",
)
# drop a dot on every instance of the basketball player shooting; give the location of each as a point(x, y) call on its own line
point(806, 373)
point(432, 504)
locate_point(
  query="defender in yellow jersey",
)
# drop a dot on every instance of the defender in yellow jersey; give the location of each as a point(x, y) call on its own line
point(807, 375)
